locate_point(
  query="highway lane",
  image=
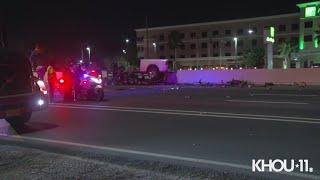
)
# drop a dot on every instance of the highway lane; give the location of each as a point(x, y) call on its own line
point(198, 124)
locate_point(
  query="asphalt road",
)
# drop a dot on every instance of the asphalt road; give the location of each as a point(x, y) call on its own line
point(221, 127)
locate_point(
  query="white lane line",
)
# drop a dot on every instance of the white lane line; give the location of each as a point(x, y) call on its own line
point(185, 111)
point(191, 114)
point(290, 95)
point(156, 155)
point(267, 102)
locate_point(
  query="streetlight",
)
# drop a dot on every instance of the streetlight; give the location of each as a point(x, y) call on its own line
point(124, 51)
point(154, 46)
point(89, 52)
point(235, 49)
point(250, 31)
point(127, 40)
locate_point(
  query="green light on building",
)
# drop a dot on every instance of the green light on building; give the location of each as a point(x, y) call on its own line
point(311, 11)
point(272, 32)
point(270, 35)
point(271, 40)
point(301, 44)
point(316, 43)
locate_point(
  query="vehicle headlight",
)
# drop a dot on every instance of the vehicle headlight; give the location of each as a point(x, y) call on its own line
point(40, 102)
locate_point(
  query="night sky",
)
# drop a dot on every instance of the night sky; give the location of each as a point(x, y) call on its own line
point(63, 27)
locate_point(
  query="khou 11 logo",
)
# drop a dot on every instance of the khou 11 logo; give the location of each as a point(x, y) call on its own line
point(279, 165)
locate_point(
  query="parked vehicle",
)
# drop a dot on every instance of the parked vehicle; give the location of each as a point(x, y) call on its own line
point(19, 91)
point(156, 68)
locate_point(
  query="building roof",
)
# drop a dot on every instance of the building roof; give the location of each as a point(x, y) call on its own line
point(222, 22)
point(303, 5)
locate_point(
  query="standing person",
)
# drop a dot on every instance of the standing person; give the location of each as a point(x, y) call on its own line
point(77, 74)
point(50, 79)
point(41, 70)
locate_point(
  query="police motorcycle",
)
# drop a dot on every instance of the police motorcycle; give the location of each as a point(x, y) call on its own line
point(90, 86)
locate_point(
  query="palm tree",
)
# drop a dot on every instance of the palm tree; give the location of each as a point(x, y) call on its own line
point(175, 41)
point(285, 50)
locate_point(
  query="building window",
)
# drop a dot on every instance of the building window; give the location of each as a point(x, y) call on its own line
point(308, 24)
point(240, 43)
point(161, 47)
point(215, 55)
point(227, 32)
point(204, 55)
point(281, 40)
point(161, 37)
point(182, 46)
point(182, 35)
point(282, 28)
point(140, 39)
point(215, 33)
point(227, 54)
point(204, 45)
point(193, 35)
point(171, 56)
point(240, 31)
point(162, 57)
point(255, 30)
point(254, 42)
point(204, 34)
point(294, 27)
point(215, 44)
point(193, 55)
point(308, 38)
point(140, 49)
point(240, 53)
point(294, 41)
point(228, 44)
point(193, 46)
point(182, 56)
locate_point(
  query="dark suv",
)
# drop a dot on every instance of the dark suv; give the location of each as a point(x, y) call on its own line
point(19, 93)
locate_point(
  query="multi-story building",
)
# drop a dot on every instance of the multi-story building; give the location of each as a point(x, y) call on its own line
point(223, 43)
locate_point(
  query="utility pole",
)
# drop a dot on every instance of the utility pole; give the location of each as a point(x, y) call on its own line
point(3, 30)
point(147, 38)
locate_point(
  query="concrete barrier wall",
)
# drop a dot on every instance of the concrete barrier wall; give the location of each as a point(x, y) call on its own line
point(256, 76)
